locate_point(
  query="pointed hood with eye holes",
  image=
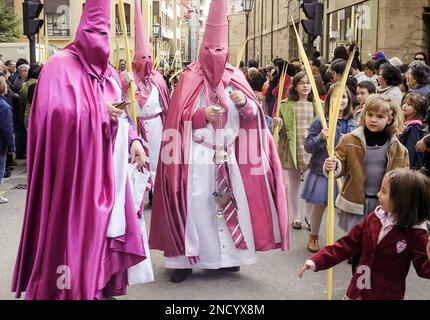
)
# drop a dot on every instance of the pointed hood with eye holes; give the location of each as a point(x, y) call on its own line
point(143, 62)
point(213, 54)
point(91, 42)
point(142, 57)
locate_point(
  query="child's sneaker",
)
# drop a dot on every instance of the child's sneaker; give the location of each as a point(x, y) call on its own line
point(3, 200)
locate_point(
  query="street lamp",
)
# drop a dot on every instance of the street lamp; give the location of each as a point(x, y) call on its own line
point(247, 8)
point(156, 31)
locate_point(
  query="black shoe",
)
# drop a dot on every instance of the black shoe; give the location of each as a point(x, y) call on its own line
point(231, 269)
point(180, 275)
point(7, 174)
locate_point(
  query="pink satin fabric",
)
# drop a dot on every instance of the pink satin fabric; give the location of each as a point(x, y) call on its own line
point(169, 210)
point(213, 54)
point(70, 192)
point(143, 61)
point(92, 37)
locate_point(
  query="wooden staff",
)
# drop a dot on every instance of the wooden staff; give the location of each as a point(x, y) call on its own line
point(280, 94)
point(318, 102)
point(334, 115)
point(46, 41)
point(241, 52)
point(131, 90)
point(175, 74)
point(157, 58)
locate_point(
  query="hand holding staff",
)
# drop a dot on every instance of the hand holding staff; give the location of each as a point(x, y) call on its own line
point(334, 115)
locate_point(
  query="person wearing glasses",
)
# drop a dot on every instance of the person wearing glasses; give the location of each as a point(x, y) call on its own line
point(421, 56)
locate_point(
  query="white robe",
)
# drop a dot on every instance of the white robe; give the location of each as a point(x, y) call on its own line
point(153, 127)
point(123, 172)
point(207, 235)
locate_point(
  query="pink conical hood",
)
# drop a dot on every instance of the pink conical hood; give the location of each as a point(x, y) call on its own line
point(92, 37)
point(142, 53)
point(213, 54)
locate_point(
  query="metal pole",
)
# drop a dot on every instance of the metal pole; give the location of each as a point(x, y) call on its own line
point(310, 45)
point(246, 38)
point(32, 42)
point(190, 44)
point(156, 49)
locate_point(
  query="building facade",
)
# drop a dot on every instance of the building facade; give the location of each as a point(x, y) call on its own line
point(195, 15)
point(270, 31)
point(399, 28)
point(168, 13)
point(62, 19)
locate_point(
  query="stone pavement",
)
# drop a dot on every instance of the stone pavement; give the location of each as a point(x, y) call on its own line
point(274, 277)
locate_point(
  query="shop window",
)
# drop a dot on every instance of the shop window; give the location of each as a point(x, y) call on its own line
point(354, 24)
point(58, 18)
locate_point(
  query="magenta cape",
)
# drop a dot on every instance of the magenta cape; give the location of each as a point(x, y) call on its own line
point(71, 191)
point(169, 211)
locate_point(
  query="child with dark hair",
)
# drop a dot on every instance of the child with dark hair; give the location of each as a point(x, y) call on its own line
point(296, 114)
point(338, 68)
point(364, 90)
point(390, 239)
point(363, 157)
point(369, 71)
point(414, 110)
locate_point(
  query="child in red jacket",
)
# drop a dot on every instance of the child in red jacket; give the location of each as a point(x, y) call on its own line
point(389, 239)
